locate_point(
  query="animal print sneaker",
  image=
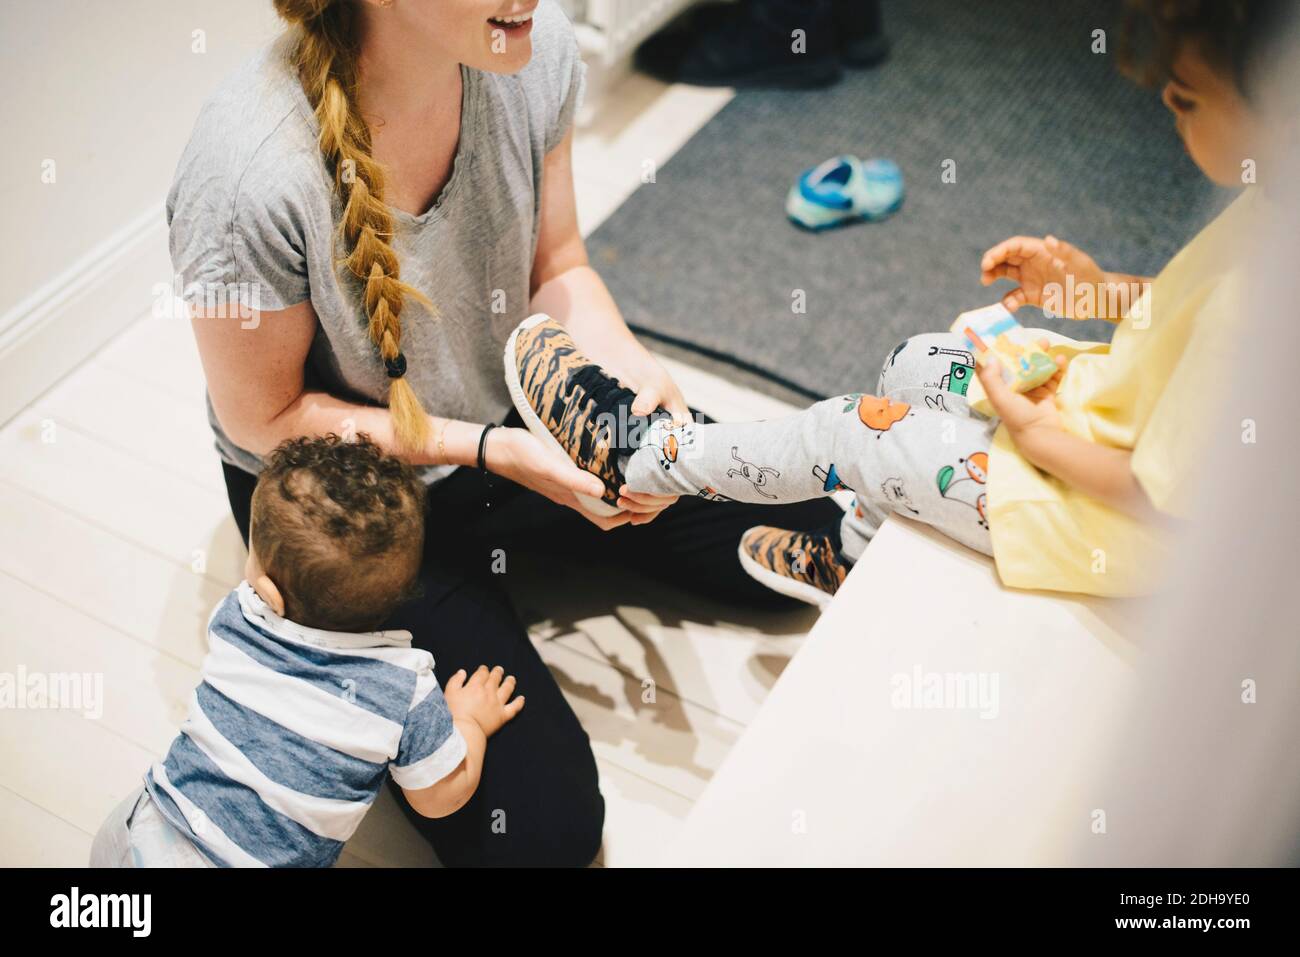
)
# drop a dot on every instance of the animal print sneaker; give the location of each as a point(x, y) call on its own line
point(804, 565)
point(570, 403)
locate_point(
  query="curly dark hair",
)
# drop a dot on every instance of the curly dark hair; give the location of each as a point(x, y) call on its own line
point(339, 527)
point(1230, 34)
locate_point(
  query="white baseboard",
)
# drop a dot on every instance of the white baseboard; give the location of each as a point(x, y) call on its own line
point(71, 317)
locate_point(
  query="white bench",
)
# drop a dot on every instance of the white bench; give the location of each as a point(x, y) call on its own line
point(845, 764)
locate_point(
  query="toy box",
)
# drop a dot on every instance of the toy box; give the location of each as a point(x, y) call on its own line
point(1023, 361)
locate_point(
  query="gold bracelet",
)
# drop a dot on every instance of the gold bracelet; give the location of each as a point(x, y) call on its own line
point(442, 450)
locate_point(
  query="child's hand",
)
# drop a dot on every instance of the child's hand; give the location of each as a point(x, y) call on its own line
point(482, 698)
point(1036, 263)
point(1022, 413)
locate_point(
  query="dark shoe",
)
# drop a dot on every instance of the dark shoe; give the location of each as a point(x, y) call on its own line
point(752, 43)
point(861, 32)
point(746, 44)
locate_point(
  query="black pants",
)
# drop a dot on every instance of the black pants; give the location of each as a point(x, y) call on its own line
point(538, 802)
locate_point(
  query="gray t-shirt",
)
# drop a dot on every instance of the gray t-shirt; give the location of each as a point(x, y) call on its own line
point(252, 213)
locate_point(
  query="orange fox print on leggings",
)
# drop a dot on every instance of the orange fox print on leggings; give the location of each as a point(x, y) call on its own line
point(877, 413)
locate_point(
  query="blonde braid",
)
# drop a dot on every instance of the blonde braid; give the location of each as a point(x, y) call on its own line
point(325, 56)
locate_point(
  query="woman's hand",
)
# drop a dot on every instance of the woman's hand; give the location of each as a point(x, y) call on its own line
point(517, 455)
point(643, 507)
point(1037, 263)
point(1027, 414)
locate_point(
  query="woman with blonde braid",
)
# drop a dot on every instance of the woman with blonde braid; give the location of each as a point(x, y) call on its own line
point(386, 192)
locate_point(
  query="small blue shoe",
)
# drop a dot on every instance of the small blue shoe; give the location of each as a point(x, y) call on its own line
point(845, 189)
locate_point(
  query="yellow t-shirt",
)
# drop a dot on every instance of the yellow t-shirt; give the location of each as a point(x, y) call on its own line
point(1152, 390)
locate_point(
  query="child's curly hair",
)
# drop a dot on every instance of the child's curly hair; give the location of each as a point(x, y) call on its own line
point(1229, 34)
point(339, 527)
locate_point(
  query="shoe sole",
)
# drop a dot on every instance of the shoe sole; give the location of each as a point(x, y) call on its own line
point(849, 219)
point(534, 423)
point(779, 583)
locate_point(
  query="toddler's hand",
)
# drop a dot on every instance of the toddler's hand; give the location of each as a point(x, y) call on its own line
point(655, 389)
point(1038, 263)
point(483, 697)
point(1021, 413)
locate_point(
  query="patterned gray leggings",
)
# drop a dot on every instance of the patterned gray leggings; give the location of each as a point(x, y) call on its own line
point(914, 447)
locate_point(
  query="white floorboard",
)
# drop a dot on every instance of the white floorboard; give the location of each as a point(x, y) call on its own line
point(33, 837)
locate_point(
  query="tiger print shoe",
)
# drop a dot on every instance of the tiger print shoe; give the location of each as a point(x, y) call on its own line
point(803, 565)
point(572, 404)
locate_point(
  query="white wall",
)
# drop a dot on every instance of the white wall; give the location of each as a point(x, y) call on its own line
point(108, 90)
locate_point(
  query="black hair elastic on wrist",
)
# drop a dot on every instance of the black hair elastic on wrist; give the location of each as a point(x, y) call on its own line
point(482, 446)
point(396, 366)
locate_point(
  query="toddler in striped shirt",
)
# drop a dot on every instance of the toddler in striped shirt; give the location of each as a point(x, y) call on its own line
point(302, 707)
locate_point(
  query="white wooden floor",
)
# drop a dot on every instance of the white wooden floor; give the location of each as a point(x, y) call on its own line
point(118, 542)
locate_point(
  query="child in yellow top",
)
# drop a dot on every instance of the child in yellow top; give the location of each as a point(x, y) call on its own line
point(1086, 474)
point(1070, 486)
point(1086, 477)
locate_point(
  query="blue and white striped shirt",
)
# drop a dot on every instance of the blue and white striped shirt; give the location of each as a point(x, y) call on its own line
point(290, 733)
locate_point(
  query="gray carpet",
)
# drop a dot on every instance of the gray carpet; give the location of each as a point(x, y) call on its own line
point(1046, 135)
